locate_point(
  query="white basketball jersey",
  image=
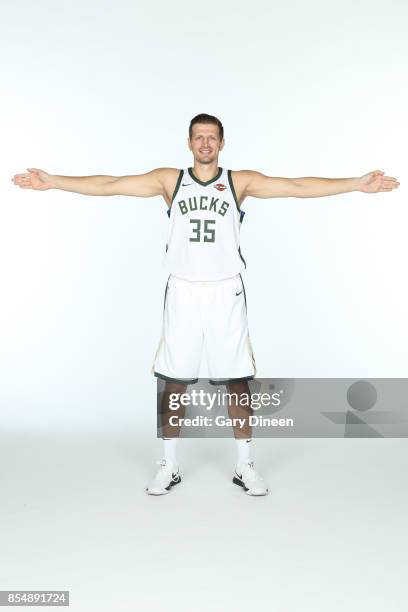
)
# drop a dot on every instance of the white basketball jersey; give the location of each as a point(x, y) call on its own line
point(204, 228)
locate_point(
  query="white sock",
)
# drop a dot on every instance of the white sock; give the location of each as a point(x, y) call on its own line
point(170, 445)
point(243, 450)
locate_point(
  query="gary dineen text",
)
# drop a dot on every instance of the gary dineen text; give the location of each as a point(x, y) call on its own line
point(222, 421)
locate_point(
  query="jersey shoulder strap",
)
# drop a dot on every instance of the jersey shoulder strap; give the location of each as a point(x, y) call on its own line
point(234, 195)
point(177, 187)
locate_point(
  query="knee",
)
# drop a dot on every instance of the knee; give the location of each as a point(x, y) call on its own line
point(173, 387)
point(240, 386)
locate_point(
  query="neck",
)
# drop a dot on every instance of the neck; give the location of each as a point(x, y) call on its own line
point(205, 172)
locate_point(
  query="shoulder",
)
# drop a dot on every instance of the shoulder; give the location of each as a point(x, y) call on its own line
point(169, 178)
point(241, 180)
point(167, 175)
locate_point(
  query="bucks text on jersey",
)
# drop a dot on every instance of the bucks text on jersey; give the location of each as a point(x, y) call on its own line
point(203, 241)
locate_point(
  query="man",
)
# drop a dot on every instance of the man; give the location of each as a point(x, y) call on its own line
point(205, 303)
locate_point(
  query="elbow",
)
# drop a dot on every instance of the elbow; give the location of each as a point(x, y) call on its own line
point(297, 188)
point(111, 186)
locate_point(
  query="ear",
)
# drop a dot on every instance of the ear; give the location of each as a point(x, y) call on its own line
point(222, 144)
point(188, 143)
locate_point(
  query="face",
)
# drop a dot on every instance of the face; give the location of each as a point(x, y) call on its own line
point(205, 143)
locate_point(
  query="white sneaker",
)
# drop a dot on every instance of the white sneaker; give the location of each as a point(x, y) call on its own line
point(167, 476)
point(247, 477)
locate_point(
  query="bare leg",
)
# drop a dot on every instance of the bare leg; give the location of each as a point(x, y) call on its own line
point(168, 473)
point(169, 430)
point(240, 408)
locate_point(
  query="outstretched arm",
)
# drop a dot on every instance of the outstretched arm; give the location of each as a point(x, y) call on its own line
point(259, 185)
point(152, 183)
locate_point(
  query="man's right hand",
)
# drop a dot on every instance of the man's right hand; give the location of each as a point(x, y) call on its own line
point(34, 179)
point(159, 181)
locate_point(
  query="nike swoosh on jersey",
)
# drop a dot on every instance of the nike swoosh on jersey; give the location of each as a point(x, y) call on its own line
point(186, 184)
point(238, 293)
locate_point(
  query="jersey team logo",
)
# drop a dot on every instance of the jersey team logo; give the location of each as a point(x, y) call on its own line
point(220, 186)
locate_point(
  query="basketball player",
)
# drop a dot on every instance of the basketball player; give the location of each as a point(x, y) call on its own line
point(205, 305)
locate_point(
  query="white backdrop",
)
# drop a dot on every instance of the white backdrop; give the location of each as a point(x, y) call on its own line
point(91, 87)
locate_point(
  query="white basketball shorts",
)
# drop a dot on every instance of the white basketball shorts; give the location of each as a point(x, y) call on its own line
point(209, 316)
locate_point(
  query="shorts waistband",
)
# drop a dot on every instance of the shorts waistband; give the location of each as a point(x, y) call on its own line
point(198, 283)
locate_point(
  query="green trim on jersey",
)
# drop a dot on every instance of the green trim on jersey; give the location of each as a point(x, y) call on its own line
point(240, 254)
point(177, 185)
point(243, 287)
point(204, 183)
point(165, 292)
point(231, 184)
